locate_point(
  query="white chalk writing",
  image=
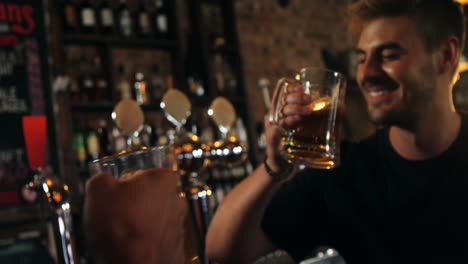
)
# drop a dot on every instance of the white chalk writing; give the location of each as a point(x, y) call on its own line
point(8, 155)
point(10, 103)
point(9, 59)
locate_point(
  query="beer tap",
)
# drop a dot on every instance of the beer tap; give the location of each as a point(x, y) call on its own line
point(194, 156)
point(129, 118)
point(57, 193)
point(229, 150)
point(191, 159)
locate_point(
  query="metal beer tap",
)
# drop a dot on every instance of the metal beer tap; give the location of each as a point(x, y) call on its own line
point(58, 198)
point(57, 193)
point(191, 156)
point(194, 156)
point(229, 150)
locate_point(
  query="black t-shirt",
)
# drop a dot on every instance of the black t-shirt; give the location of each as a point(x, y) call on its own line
point(378, 207)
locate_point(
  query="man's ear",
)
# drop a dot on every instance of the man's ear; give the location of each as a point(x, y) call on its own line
point(448, 55)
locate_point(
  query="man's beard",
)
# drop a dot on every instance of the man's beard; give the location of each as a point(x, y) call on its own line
point(411, 107)
point(397, 116)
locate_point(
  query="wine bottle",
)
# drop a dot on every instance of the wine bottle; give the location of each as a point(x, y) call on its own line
point(103, 137)
point(140, 87)
point(147, 135)
point(101, 83)
point(87, 85)
point(143, 20)
point(124, 19)
point(87, 17)
point(69, 16)
point(225, 79)
point(160, 20)
point(92, 145)
point(79, 147)
point(124, 89)
point(119, 141)
point(106, 18)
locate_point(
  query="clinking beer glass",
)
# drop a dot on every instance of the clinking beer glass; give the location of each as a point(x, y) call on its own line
point(315, 141)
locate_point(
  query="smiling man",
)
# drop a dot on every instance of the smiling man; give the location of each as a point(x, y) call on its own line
point(399, 196)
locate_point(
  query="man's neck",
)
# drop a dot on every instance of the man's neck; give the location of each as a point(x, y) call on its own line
point(431, 136)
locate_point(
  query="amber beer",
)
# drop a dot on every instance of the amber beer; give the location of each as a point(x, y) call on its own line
point(314, 141)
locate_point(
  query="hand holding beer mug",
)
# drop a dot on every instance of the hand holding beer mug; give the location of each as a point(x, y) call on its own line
point(310, 109)
point(135, 210)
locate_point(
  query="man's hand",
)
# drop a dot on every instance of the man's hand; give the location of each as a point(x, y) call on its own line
point(293, 105)
point(142, 219)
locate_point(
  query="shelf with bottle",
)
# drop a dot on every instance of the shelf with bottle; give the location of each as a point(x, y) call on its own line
point(97, 87)
point(125, 19)
point(96, 136)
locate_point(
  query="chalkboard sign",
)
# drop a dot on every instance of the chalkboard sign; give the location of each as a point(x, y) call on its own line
point(24, 85)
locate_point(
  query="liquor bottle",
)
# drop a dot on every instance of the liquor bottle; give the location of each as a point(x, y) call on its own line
point(162, 138)
point(147, 136)
point(124, 19)
point(106, 18)
point(160, 20)
point(92, 145)
point(119, 141)
point(69, 16)
point(158, 87)
point(103, 137)
point(230, 80)
point(87, 87)
point(74, 88)
point(143, 20)
point(213, 23)
point(225, 79)
point(140, 87)
point(100, 82)
point(79, 147)
point(124, 88)
point(87, 17)
point(218, 73)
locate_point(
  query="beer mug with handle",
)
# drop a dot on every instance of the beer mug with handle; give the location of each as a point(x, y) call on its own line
point(315, 141)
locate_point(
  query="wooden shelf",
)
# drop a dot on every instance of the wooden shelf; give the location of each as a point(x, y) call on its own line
point(132, 42)
point(107, 107)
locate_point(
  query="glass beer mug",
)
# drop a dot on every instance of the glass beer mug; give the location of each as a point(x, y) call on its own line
point(180, 236)
point(315, 141)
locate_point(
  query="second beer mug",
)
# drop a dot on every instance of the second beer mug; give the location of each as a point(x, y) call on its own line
point(315, 142)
